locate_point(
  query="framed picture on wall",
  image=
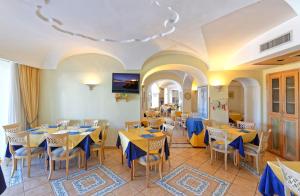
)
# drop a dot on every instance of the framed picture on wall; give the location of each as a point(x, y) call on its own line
point(203, 102)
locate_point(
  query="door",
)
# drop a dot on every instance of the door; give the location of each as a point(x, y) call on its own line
point(275, 112)
point(290, 115)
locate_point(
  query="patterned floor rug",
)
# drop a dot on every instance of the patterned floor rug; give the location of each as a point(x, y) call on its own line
point(186, 180)
point(98, 180)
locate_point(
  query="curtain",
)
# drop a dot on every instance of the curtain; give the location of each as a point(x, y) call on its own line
point(15, 108)
point(29, 79)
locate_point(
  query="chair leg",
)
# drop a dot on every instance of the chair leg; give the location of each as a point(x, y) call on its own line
point(79, 160)
point(257, 163)
point(28, 166)
point(67, 168)
point(147, 175)
point(211, 155)
point(51, 168)
point(23, 163)
point(14, 166)
point(103, 154)
point(100, 158)
point(225, 159)
point(160, 169)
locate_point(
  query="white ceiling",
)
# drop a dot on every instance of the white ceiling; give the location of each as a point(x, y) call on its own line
point(213, 30)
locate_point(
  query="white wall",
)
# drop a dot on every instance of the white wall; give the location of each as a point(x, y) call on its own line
point(64, 96)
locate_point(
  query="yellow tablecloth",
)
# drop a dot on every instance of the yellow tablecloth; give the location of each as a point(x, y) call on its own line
point(134, 136)
point(234, 133)
point(294, 165)
point(74, 140)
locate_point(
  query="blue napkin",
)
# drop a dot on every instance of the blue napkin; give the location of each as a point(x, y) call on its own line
point(85, 126)
point(90, 130)
point(52, 126)
point(147, 135)
point(244, 131)
point(32, 129)
point(154, 130)
point(37, 132)
point(73, 132)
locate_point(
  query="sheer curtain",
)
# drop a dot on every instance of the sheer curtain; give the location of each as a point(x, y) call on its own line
point(15, 111)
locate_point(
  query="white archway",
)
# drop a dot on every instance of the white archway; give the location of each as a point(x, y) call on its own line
point(252, 100)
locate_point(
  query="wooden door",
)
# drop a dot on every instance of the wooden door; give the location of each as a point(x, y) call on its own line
point(290, 115)
point(275, 110)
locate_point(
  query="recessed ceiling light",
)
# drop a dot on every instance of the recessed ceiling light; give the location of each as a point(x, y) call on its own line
point(279, 60)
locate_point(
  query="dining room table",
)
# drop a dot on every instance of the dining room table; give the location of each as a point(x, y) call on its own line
point(237, 138)
point(81, 136)
point(133, 144)
point(195, 131)
point(271, 181)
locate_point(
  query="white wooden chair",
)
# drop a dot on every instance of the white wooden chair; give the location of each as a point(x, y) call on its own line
point(184, 117)
point(91, 122)
point(99, 145)
point(62, 151)
point(25, 152)
point(63, 123)
point(12, 128)
point(218, 142)
point(169, 121)
point(153, 159)
point(245, 125)
point(155, 123)
point(132, 125)
point(257, 151)
point(291, 180)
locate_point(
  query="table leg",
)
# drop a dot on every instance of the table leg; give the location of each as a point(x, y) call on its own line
point(122, 159)
point(131, 177)
point(237, 158)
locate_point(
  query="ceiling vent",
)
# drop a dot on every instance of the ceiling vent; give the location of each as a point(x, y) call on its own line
point(276, 42)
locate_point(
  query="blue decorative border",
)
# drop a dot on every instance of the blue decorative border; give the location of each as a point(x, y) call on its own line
point(81, 189)
point(196, 190)
point(249, 168)
point(220, 190)
point(59, 189)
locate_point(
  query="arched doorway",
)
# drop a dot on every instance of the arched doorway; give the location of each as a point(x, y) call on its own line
point(244, 100)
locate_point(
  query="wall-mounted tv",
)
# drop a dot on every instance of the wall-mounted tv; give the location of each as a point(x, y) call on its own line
point(125, 83)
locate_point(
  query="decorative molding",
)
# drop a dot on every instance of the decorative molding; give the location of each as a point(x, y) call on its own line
point(58, 25)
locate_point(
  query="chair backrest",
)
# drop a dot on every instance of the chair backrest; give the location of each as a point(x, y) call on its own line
point(178, 113)
point(57, 140)
point(156, 143)
point(155, 122)
point(217, 135)
point(91, 122)
point(168, 128)
point(19, 138)
point(245, 125)
point(264, 140)
point(291, 178)
point(12, 128)
point(132, 124)
point(169, 121)
point(63, 123)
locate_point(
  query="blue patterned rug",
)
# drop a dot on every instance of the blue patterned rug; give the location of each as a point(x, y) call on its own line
point(186, 180)
point(16, 179)
point(97, 180)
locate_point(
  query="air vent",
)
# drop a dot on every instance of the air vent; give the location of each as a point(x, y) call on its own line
point(276, 42)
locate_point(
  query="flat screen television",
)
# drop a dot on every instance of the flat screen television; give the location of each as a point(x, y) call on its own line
point(126, 83)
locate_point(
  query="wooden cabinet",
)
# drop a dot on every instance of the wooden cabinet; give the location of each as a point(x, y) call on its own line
point(283, 117)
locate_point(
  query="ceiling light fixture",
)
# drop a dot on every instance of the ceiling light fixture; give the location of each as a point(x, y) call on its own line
point(58, 25)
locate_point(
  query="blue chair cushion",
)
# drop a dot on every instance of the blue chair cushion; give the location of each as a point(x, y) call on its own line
point(23, 151)
point(152, 158)
point(60, 152)
point(251, 148)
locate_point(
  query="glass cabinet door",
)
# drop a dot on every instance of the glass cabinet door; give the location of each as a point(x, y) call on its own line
point(275, 99)
point(290, 81)
point(290, 130)
point(275, 137)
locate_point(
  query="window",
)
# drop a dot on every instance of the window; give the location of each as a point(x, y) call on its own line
point(5, 79)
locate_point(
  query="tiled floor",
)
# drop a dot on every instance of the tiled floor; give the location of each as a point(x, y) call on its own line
point(242, 181)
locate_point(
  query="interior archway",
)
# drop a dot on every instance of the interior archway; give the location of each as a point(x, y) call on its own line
point(245, 93)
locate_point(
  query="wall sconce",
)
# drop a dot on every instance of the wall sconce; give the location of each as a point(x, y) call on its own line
point(91, 86)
